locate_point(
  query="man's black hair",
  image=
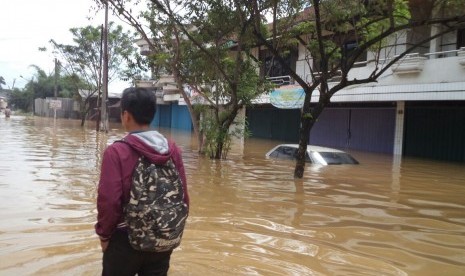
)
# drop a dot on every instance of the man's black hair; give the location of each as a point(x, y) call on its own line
point(141, 103)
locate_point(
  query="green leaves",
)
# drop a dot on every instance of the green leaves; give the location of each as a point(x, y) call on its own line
point(83, 57)
point(383, 18)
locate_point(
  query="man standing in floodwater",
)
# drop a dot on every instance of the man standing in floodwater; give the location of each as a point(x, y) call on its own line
point(138, 107)
point(7, 112)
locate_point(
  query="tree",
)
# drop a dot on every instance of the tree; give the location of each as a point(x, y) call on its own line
point(2, 82)
point(166, 54)
point(82, 60)
point(42, 85)
point(206, 45)
point(325, 27)
point(21, 99)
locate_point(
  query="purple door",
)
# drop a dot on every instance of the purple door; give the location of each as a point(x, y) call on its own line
point(366, 129)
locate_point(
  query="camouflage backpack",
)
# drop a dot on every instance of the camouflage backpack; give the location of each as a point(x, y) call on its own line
point(156, 212)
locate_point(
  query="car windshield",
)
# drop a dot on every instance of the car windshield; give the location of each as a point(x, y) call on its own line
point(285, 152)
point(334, 158)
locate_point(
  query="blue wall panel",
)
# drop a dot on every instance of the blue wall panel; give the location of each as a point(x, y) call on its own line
point(156, 120)
point(367, 129)
point(172, 116)
point(331, 128)
point(180, 117)
point(372, 129)
point(162, 116)
point(165, 115)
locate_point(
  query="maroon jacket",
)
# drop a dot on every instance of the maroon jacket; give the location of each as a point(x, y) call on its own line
point(119, 161)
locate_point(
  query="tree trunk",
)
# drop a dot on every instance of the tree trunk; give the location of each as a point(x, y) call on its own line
point(85, 111)
point(200, 136)
point(219, 149)
point(224, 134)
point(307, 119)
point(192, 113)
point(304, 134)
point(83, 117)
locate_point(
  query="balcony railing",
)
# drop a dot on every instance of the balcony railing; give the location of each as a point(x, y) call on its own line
point(281, 80)
point(335, 78)
point(443, 54)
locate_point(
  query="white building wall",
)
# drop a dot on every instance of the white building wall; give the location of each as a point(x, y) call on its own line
point(395, 45)
point(3, 103)
point(303, 64)
point(436, 75)
point(425, 78)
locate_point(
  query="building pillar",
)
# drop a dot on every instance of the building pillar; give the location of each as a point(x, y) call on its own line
point(399, 129)
point(434, 45)
point(237, 143)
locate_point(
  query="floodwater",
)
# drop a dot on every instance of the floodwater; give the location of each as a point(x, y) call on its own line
point(248, 216)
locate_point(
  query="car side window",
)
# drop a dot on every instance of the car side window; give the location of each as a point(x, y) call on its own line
point(275, 153)
point(286, 152)
point(334, 158)
point(283, 152)
point(290, 153)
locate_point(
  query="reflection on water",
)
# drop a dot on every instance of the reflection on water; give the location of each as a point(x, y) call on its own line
point(248, 215)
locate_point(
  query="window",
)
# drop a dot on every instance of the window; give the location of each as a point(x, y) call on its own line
point(336, 158)
point(347, 49)
point(271, 67)
point(285, 152)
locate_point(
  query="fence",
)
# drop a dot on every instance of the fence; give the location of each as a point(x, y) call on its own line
point(66, 108)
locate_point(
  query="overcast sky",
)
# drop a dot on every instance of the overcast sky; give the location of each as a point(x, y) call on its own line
point(26, 25)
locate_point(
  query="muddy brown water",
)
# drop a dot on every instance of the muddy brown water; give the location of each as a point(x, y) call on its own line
point(249, 216)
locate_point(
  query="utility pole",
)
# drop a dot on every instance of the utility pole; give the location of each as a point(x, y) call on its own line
point(99, 86)
point(105, 73)
point(55, 90)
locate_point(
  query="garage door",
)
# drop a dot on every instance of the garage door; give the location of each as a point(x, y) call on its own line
point(366, 129)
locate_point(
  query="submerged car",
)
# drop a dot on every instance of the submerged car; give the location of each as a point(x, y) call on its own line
point(314, 154)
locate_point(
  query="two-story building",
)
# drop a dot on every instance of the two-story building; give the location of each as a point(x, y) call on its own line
point(417, 107)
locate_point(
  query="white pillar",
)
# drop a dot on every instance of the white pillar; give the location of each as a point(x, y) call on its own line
point(399, 129)
point(434, 45)
point(237, 144)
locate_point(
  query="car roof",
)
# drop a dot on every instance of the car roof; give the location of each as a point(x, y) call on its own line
point(311, 148)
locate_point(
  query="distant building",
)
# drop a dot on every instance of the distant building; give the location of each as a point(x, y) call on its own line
point(3, 99)
point(3, 103)
point(171, 111)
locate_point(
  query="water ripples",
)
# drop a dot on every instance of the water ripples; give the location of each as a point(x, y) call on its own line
point(249, 216)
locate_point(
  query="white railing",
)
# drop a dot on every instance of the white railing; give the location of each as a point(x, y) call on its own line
point(281, 80)
point(287, 80)
point(335, 78)
point(443, 54)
